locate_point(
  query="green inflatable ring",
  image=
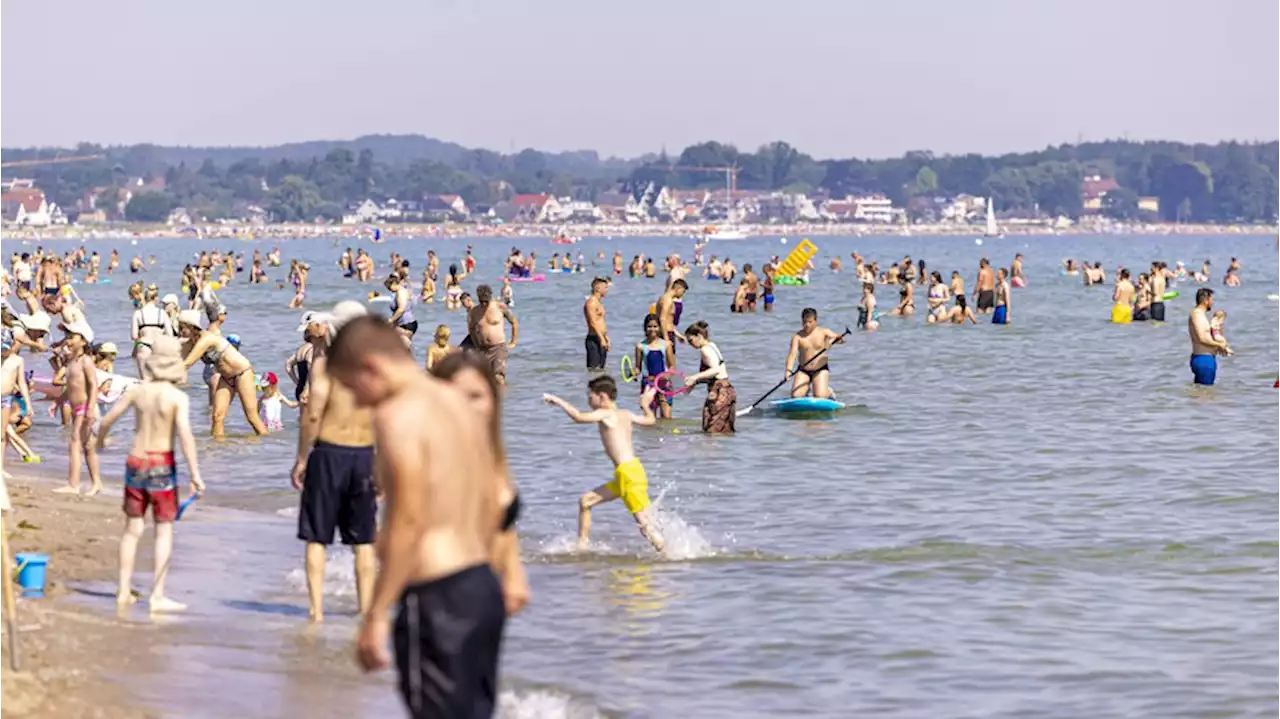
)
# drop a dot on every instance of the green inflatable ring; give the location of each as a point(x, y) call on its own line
point(789, 280)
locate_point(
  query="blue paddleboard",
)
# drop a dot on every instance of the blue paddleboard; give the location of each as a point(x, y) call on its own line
point(809, 405)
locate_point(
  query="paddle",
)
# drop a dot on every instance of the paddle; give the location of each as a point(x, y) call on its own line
point(788, 378)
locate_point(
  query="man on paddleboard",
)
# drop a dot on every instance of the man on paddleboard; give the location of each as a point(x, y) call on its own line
point(810, 377)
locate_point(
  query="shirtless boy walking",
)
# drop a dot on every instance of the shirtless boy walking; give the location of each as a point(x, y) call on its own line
point(81, 392)
point(151, 475)
point(629, 480)
point(811, 375)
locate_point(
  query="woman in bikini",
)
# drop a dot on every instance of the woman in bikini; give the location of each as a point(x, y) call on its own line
point(149, 323)
point(961, 312)
point(401, 312)
point(428, 287)
point(452, 289)
point(471, 375)
point(938, 297)
point(233, 370)
point(906, 300)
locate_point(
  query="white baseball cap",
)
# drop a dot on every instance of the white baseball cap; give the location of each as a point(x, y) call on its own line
point(189, 317)
point(39, 322)
point(82, 328)
point(342, 313)
point(309, 318)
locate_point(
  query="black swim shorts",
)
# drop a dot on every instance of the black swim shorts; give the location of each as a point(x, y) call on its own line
point(1157, 312)
point(338, 494)
point(986, 300)
point(597, 355)
point(448, 635)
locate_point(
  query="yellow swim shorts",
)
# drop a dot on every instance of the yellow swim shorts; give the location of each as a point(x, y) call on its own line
point(631, 484)
point(1121, 314)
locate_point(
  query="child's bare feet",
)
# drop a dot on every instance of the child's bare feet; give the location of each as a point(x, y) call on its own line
point(95, 489)
point(68, 490)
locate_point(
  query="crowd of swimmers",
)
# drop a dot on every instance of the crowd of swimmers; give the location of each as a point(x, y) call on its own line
point(446, 552)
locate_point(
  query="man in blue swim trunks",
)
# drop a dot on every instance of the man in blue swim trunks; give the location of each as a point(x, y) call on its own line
point(766, 285)
point(1204, 348)
point(1001, 314)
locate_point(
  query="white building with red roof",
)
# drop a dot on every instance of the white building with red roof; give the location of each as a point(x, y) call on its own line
point(27, 207)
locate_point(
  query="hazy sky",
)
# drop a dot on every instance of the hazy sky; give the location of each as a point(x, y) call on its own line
point(832, 77)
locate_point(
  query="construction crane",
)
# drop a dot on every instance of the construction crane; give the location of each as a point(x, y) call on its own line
point(730, 172)
point(52, 161)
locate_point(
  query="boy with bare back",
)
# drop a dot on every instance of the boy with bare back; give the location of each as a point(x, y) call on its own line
point(151, 475)
point(811, 376)
point(81, 393)
point(629, 480)
point(13, 386)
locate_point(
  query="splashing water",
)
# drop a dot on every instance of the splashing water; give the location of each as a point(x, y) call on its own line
point(541, 704)
point(339, 575)
point(682, 540)
point(568, 544)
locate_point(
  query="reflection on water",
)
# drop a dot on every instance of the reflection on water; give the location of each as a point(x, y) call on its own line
point(1043, 519)
point(631, 590)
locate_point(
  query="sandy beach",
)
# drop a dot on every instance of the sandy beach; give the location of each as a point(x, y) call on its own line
point(72, 647)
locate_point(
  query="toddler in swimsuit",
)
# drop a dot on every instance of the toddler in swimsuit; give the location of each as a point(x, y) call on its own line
point(271, 402)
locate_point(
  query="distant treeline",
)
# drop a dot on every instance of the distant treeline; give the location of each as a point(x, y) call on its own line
point(1224, 182)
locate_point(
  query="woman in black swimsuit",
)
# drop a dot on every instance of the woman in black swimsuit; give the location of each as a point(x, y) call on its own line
point(298, 366)
point(470, 373)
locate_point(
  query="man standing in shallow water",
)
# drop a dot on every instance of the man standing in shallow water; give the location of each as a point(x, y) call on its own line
point(985, 288)
point(1204, 363)
point(488, 335)
point(334, 471)
point(597, 342)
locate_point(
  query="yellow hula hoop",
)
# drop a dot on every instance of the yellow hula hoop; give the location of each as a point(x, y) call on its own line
point(628, 369)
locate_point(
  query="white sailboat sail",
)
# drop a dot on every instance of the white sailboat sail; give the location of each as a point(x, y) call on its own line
point(991, 229)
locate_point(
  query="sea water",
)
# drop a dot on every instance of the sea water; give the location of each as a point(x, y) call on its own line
point(1042, 519)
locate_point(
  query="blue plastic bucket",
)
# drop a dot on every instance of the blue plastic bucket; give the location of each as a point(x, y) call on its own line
point(30, 573)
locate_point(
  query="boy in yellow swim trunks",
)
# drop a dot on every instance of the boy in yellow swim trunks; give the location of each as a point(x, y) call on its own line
point(629, 481)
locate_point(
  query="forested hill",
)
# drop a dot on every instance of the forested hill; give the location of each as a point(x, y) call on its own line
point(1222, 182)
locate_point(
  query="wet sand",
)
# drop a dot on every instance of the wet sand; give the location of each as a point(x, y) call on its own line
point(73, 651)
